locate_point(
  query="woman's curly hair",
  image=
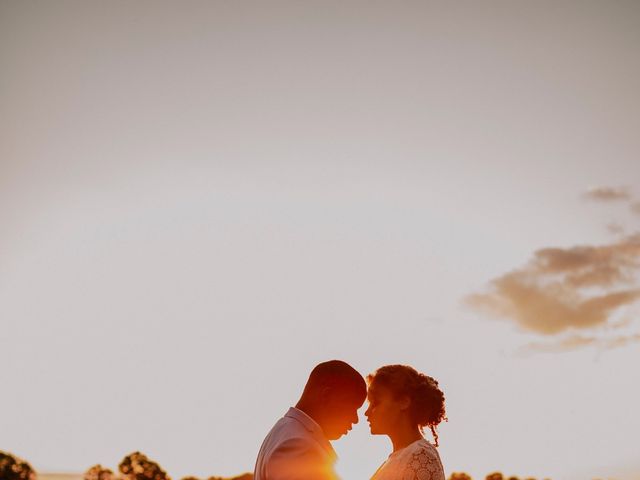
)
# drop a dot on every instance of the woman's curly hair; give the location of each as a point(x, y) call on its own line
point(427, 400)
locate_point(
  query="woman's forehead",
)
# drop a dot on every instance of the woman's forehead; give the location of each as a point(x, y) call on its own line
point(377, 390)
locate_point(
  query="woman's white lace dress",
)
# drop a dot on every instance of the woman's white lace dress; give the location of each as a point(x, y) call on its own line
point(417, 461)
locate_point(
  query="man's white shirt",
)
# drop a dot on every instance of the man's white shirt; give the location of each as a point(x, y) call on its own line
point(296, 449)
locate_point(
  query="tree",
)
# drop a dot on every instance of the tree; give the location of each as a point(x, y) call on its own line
point(98, 472)
point(460, 476)
point(14, 468)
point(136, 466)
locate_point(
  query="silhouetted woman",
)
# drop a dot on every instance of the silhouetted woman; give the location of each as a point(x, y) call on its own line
point(402, 402)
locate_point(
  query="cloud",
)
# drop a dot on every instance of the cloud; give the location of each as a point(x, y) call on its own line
point(608, 194)
point(584, 266)
point(635, 207)
point(562, 289)
point(578, 341)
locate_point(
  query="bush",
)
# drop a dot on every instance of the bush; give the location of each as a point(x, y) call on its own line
point(14, 468)
point(136, 466)
point(98, 472)
point(460, 476)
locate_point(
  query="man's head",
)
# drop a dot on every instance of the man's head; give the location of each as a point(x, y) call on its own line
point(332, 396)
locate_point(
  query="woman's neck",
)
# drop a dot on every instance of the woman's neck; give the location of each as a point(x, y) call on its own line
point(404, 437)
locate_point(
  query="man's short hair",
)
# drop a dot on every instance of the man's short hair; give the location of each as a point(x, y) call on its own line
point(338, 376)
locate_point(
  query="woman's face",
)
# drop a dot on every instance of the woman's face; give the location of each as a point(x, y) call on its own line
point(385, 411)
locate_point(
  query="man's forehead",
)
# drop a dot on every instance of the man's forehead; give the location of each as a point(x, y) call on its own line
point(349, 398)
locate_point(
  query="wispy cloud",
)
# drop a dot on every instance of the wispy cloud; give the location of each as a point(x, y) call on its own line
point(608, 194)
point(579, 341)
point(562, 291)
point(566, 288)
point(613, 194)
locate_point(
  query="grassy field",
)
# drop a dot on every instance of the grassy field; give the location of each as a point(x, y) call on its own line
point(78, 476)
point(59, 476)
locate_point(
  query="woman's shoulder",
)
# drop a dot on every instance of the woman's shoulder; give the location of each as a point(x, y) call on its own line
point(422, 461)
point(422, 446)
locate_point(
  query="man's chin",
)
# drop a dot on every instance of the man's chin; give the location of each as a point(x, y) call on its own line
point(336, 436)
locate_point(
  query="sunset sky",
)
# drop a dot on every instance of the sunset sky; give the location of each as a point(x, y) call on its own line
point(201, 200)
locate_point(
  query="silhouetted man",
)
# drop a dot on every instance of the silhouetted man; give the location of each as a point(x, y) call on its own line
point(297, 447)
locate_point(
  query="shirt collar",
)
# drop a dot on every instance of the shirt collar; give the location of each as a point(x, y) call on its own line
point(312, 426)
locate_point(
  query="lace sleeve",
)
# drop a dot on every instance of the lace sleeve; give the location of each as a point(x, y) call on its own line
point(423, 466)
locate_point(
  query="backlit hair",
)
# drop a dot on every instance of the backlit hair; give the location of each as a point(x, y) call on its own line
point(427, 400)
point(340, 377)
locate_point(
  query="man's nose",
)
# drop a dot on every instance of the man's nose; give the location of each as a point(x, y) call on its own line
point(354, 420)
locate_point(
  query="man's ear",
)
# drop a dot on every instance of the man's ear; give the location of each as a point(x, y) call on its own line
point(325, 394)
point(404, 402)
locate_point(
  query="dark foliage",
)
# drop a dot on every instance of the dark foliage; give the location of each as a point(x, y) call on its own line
point(460, 476)
point(98, 472)
point(136, 466)
point(14, 468)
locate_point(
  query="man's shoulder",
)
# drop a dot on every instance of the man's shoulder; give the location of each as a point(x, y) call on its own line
point(294, 457)
point(289, 431)
point(293, 451)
